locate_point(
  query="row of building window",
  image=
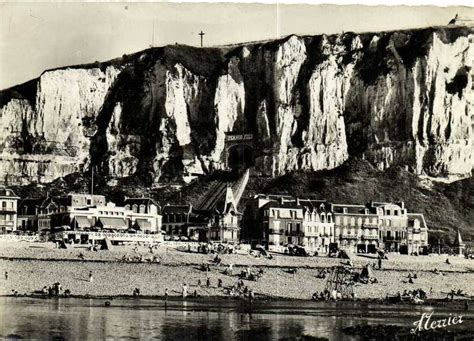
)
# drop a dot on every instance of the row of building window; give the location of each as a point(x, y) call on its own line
point(352, 221)
point(7, 217)
point(174, 218)
point(7, 204)
point(117, 213)
point(136, 208)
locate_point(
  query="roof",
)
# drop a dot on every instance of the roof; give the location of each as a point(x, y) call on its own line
point(31, 204)
point(113, 223)
point(176, 209)
point(419, 216)
point(217, 195)
point(352, 209)
point(140, 201)
point(273, 196)
point(315, 205)
point(277, 204)
point(458, 240)
point(6, 192)
point(82, 221)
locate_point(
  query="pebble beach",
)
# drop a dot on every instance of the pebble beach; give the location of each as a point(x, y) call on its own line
point(33, 265)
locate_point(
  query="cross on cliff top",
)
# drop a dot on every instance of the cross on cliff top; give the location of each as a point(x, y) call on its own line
point(201, 34)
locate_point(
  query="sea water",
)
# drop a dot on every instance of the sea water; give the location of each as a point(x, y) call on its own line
point(199, 319)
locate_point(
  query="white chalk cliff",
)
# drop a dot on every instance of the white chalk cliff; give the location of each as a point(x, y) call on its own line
point(393, 98)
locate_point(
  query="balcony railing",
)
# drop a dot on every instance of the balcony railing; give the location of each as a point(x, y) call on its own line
point(7, 222)
point(295, 233)
point(369, 226)
point(370, 237)
point(350, 236)
point(276, 231)
point(113, 236)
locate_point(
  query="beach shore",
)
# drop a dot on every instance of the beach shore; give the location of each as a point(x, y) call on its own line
point(31, 266)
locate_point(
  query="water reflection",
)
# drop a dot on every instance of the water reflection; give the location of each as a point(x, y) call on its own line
point(84, 319)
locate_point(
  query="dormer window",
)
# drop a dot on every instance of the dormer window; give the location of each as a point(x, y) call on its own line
point(344, 210)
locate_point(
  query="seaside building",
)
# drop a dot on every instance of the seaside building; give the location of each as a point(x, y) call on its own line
point(252, 221)
point(8, 210)
point(318, 225)
point(278, 220)
point(144, 214)
point(416, 240)
point(282, 222)
point(176, 219)
point(394, 224)
point(356, 228)
point(322, 226)
point(85, 212)
point(29, 210)
point(225, 226)
point(47, 208)
point(219, 208)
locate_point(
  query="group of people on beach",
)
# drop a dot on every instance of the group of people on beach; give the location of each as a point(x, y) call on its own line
point(55, 290)
point(334, 295)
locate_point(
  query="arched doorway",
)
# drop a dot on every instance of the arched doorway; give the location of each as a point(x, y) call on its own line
point(240, 156)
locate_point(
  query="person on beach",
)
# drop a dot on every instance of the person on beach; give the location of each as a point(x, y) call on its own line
point(6, 275)
point(166, 294)
point(380, 262)
point(219, 283)
point(251, 295)
point(208, 282)
point(185, 290)
point(90, 277)
point(447, 261)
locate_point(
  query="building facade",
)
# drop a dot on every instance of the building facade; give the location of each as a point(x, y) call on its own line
point(318, 225)
point(144, 214)
point(356, 228)
point(8, 210)
point(176, 219)
point(417, 234)
point(322, 226)
point(28, 213)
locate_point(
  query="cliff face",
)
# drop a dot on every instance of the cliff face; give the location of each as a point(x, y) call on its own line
point(310, 102)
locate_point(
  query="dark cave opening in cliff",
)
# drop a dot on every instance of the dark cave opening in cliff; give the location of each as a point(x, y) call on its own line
point(240, 157)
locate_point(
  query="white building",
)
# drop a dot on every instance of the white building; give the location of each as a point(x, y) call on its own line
point(8, 210)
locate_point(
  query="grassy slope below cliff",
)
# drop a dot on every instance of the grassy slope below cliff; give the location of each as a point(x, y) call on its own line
point(445, 206)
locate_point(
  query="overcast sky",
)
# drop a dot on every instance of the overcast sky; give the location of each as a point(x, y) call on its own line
point(36, 37)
